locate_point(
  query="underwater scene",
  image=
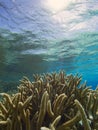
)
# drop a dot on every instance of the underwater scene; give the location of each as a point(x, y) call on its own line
point(49, 64)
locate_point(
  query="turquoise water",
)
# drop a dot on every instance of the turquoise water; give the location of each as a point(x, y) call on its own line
point(41, 36)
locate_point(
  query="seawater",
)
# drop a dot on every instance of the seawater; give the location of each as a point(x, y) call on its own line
point(34, 38)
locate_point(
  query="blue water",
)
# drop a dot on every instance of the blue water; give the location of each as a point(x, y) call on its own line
point(41, 36)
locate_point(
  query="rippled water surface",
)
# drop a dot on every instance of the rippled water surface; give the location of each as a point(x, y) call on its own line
point(47, 35)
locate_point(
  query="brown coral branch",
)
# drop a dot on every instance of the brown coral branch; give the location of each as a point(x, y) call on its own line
point(70, 123)
point(42, 111)
point(83, 115)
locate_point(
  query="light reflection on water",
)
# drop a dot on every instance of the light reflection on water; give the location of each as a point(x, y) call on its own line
point(33, 39)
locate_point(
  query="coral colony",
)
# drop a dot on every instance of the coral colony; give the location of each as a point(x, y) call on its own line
point(53, 101)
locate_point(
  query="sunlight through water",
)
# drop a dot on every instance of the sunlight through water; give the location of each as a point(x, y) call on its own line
point(40, 36)
point(56, 5)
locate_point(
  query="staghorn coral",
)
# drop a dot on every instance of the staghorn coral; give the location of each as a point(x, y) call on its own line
point(51, 102)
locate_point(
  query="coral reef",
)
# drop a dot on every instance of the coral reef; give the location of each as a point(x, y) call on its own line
point(53, 101)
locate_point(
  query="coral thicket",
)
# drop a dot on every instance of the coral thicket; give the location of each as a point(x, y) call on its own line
point(55, 101)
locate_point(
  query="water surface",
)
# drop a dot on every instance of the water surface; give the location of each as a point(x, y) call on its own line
point(36, 37)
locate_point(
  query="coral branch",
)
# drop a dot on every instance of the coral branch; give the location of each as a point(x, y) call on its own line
point(83, 116)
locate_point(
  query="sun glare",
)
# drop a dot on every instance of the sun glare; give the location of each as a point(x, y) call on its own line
point(56, 5)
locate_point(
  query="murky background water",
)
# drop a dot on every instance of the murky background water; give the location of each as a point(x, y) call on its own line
point(47, 35)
